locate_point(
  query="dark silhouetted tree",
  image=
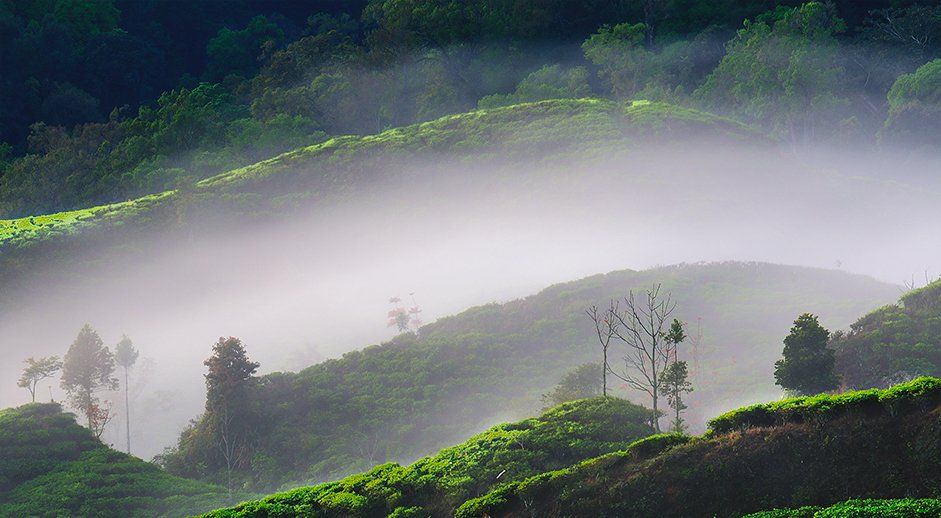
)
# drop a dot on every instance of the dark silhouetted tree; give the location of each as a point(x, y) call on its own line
point(807, 365)
point(228, 386)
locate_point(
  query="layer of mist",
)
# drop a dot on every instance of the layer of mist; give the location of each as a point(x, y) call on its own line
point(317, 284)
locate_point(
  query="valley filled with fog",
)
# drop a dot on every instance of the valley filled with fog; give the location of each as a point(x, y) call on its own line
point(317, 284)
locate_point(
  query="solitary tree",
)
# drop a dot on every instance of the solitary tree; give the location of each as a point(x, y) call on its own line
point(87, 368)
point(581, 382)
point(37, 370)
point(228, 385)
point(674, 383)
point(126, 356)
point(642, 327)
point(807, 365)
point(604, 330)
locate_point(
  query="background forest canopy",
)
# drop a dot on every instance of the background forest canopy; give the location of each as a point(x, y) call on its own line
point(107, 100)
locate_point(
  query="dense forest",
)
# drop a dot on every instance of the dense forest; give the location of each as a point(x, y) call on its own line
point(271, 76)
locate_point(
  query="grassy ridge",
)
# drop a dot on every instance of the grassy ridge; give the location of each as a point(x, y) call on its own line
point(542, 129)
point(435, 485)
point(922, 392)
point(51, 466)
point(418, 394)
point(894, 342)
point(887, 451)
point(872, 508)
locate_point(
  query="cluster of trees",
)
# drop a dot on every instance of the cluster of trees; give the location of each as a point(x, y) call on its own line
point(269, 82)
point(894, 344)
point(421, 392)
point(650, 341)
point(88, 368)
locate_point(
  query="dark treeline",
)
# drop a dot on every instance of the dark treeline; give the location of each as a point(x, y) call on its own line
point(103, 100)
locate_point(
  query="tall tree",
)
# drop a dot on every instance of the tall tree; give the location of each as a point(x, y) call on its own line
point(228, 385)
point(37, 370)
point(126, 356)
point(674, 383)
point(87, 368)
point(642, 327)
point(675, 379)
point(604, 330)
point(807, 365)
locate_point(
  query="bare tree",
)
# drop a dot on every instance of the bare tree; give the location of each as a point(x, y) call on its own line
point(126, 356)
point(231, 443)
point(605, 330)
point(641, 327)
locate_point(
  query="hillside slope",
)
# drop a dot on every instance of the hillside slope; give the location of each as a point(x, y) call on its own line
point(436, 485)
point(893, 343)
point(51, 466)
point(417, 394)
point(812, 451)
point(547, 129)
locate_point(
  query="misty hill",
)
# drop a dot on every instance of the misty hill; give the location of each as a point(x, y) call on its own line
point(548, 129)
point(893, 343)
point(436, 485)
point(503, 146)
point(51, 466)
point(812, 451)
point(416, 394)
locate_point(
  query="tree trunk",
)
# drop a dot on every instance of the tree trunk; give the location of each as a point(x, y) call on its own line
point(127, 413)
point(656, 417)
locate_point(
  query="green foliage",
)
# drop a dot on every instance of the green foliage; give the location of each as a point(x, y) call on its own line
point(417, 394)
point(88, 367)
point(237, 52)
point(799, 465)
point(549, 82)
point(894, 343)
point(919, 392)
point(784, 72)
point(50, 466)
point(581, 382)
point(436, 485)
point(901, 508)
point(807, 365)
point(529, 130)
point(915, 107)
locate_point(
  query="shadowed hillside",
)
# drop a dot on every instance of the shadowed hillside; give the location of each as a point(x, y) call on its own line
point(51, 466)
point(416, 394)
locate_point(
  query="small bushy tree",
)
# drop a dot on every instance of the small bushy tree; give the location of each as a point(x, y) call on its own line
point(807, 365)
point(38, 369)
point(581, 382)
